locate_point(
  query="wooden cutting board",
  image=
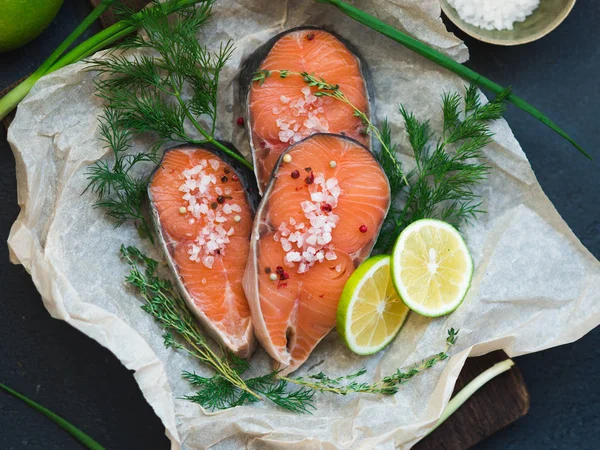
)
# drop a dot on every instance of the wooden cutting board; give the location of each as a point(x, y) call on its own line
point(499, 403)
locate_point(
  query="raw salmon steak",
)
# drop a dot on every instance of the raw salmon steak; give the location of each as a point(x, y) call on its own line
point(317, 221)
point(203, 214)
point(283, 111)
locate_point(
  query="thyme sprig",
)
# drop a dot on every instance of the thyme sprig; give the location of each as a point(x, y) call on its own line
point(325, 89)
point(388, 385)
point(443, 183)
point(171, 312)
point(227, 388)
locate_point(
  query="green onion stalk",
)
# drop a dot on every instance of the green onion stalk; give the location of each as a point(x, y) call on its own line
point(58, 59)
point(121, 29)
point(446, 62)
point(86, 440)
point(466, 392)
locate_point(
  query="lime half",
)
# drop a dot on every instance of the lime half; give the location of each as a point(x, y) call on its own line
point(370, 312)
point(431, 267)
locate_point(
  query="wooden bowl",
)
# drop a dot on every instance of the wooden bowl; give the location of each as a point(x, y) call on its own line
point(542, 21)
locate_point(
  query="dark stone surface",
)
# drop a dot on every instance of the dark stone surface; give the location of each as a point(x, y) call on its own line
point(80, 380)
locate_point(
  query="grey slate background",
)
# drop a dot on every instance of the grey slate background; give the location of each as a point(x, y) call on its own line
point(69, 373)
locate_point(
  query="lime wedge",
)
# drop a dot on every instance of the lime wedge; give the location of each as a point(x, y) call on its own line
point(370, 312)
point(431, 267)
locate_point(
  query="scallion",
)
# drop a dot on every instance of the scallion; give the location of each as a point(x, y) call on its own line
point(58, 59)
point(446, 62)
point(466, 392)
point(67, 426)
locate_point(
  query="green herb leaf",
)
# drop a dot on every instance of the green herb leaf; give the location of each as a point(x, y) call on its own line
point(148, 90)
point(144, 94)
point(442, 185)
point(261, 76)
point(121, 192)
point(217, 392)
point(388, 385)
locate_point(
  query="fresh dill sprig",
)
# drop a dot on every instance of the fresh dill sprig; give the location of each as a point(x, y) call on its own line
point(149, 88)
point(121, 192)
point(145, 93)
point(279, 391)
point(226, 388)
point(442, 185)
point(390, 162)
point(216, 392)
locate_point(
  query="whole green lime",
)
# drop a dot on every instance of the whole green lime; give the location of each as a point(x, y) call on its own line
point(21, 21)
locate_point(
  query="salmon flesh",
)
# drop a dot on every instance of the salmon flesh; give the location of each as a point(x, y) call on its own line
point(318, 220)
point(283, 111)
point(203, 213)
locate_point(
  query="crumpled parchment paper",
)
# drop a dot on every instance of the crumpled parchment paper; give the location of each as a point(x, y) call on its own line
point(535, 286)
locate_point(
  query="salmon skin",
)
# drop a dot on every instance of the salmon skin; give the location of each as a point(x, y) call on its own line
point(282, 111)
point(318, 220)
point(202, 203)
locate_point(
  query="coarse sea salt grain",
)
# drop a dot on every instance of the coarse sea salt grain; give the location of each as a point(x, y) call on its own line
point(306, 108)
point(213, 237)
point(307, 243)
point(494, 14)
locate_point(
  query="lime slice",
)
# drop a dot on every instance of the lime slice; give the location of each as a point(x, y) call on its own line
point(431, 267)
point(370, 312)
